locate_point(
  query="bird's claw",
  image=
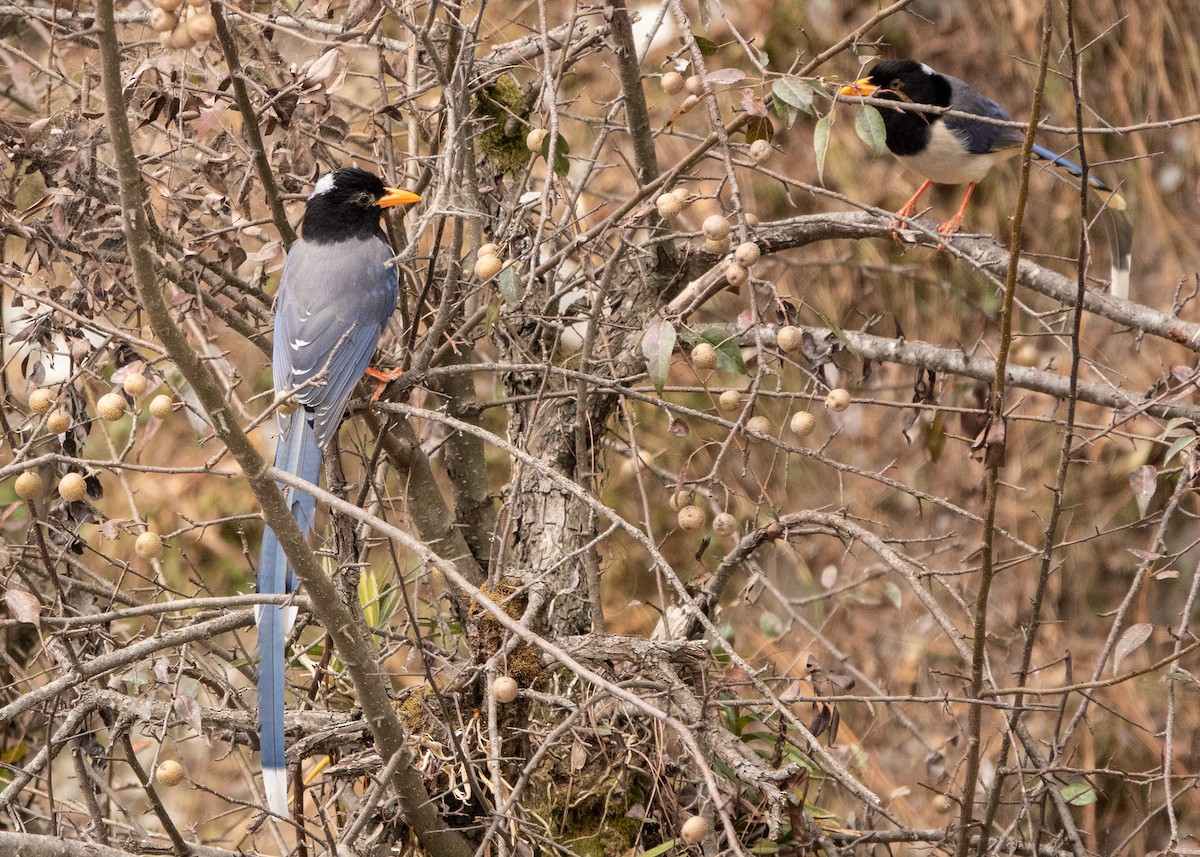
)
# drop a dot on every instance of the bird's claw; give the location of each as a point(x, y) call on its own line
point(382, 377)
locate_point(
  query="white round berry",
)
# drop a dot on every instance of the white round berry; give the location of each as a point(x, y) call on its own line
point(803, 423)
point(746, 254)
point(704, 356)
point(789, 338)
point(715, 227)
point(838, 399)
point(691, 518)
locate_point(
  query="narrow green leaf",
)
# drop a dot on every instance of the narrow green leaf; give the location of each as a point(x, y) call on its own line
point(793, 92)
point(662, 848)
point(658, 342)
point(821, 143)
point(1181, 443)
point(869, 127)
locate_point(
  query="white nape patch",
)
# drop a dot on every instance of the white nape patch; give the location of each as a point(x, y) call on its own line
point(927, 70)
point(324, 185)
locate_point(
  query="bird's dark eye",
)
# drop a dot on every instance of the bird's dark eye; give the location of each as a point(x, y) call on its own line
point(895, 84)
point(365, 199)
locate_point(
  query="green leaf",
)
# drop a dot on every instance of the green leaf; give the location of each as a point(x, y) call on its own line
point(821, 143)
point(738, 727)
point(561, 149)
point(1079, 794)
point(869, 127)
point(1181, 443)
point(662, 848)
point(368, 596)
point(707, 46)
point(510, 286)
point(729, 354)
point(785, 112)
point(793, 92)
point(759, 128)
point(658, 342)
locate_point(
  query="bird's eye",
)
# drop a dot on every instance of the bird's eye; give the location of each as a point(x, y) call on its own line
point(365, 200)
point(895, 84)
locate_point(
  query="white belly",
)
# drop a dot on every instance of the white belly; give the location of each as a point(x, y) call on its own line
point(943, 160)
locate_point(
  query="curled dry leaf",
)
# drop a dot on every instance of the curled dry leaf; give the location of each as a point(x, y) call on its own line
point(1132, 640)
point(23, 606)
point(327, 70)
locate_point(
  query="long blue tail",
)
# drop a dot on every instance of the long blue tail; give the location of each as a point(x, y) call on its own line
point(1120, 227)
point(297, 453)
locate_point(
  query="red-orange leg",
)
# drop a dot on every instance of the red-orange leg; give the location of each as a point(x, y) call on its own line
point(955, 223)
point(382, 377)
point(910, 208)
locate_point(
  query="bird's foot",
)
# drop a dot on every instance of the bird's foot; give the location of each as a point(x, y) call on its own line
point(898, 225)
point(950, 227)
point(382, 377)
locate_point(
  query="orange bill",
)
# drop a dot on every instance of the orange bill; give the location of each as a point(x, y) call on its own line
point(396, 196)
point(860, 88)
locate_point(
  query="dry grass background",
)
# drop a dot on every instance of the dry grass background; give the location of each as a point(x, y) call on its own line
point(819, 597)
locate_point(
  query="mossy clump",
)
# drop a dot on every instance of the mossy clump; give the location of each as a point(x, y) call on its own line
point(524, 664)
point(413, 710)
point(591, 806)
point(504, 108)
point(486, 633)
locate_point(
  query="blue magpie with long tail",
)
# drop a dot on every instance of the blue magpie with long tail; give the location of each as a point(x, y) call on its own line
point(948, 149)
point(337, 292)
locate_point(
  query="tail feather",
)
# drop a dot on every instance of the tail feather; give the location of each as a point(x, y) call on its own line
point(1119, 225)
point(297, 453)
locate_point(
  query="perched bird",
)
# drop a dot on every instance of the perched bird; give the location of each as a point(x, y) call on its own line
point(336, 295)
point(956, 150)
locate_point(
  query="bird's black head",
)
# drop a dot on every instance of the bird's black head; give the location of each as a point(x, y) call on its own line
point(911, 81)
point(347, 204)
point(906, 81)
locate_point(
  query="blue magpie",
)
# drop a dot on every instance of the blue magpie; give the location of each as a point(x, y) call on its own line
point(337, 292)
point(957, 150)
